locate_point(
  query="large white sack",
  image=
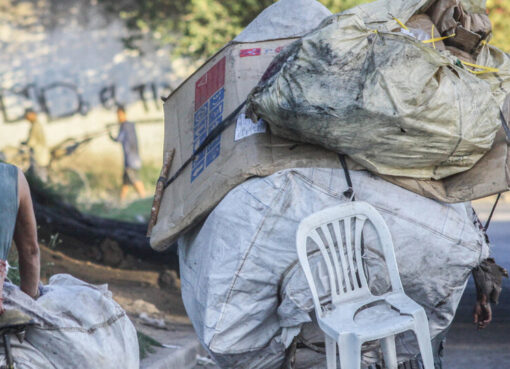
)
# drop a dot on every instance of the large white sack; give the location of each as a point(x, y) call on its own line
point(359, 86)
point(243, 289)
point(78, 326)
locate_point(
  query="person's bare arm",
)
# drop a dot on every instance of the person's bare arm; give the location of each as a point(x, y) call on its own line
point(25, 237)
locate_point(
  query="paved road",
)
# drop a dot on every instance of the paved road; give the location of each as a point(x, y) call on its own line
point(467, 348)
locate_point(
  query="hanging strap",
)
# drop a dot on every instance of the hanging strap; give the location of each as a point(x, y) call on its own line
point(350, 191)
point(224, 124)
point(437, 39)
point(486, 226)
point(483, 68)
point(401, 24)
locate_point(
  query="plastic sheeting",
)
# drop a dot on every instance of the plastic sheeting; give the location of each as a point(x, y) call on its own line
point(241, 282)
point(79, 326)
point(360, 86)
point(284, 19)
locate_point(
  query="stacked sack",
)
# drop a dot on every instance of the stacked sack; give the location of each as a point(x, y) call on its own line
point(416, 100)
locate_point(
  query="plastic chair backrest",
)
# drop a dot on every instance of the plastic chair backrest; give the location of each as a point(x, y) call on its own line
point(331, 230)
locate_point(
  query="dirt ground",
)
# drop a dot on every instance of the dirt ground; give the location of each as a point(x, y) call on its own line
point(138, 286)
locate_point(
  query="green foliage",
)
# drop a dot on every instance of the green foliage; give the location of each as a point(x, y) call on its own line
point(208, 24)
point(499, 13)
point(198, 28)
point(337, 6)
point(135, 211)
point(13, 273)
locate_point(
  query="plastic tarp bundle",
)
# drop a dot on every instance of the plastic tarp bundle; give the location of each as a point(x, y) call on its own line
point(360, 86)
point(78, 326)
point(284, 19)
point(244, 290)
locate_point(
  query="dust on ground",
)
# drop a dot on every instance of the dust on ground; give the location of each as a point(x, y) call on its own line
point(138, 286)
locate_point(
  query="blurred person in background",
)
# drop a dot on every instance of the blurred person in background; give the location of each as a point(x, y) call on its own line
point(132, 162)
point(36, 143)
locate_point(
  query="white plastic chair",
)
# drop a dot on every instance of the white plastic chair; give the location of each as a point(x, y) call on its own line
point(340, 316)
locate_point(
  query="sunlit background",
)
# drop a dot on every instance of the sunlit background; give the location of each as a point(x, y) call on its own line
point(73, 61)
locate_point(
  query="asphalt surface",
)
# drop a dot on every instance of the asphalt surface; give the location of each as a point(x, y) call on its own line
point(469, 348)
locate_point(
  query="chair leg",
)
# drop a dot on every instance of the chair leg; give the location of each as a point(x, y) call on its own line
point(423, 336)
point(350, 352)
point(330, 352)
point(389, 352)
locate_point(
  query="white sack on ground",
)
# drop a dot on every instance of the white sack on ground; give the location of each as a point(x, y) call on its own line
point(359, 86)
point(241, 284)
point(79, 326)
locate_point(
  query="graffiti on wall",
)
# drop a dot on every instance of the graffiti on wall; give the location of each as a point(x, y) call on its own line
point(62, 99)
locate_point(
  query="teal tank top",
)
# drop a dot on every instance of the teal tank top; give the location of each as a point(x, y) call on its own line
point(8, 206)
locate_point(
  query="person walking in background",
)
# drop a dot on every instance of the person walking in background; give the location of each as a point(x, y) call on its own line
point(36, 142)
point(132, 162)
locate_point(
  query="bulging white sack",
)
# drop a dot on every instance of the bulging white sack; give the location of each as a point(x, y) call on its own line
point(242, 285)
point(78, 326)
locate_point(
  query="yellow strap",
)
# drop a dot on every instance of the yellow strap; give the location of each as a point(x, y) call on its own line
point(478, 71)
point(401, 24)
point(432, 40)
point(483, 68)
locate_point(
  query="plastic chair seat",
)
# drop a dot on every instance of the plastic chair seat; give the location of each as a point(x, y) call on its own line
point(368, 324)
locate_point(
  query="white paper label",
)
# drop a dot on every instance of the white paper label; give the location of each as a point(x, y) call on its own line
point(245, 127)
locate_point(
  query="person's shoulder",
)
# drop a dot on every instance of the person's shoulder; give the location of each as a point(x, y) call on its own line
point(10, 173)
point(8, 167)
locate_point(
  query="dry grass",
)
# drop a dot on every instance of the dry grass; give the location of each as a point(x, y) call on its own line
point(103, 175)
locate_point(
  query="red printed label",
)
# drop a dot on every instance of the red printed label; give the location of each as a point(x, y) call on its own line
point(209, 83)
point(209, 98)
point(250, 52)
